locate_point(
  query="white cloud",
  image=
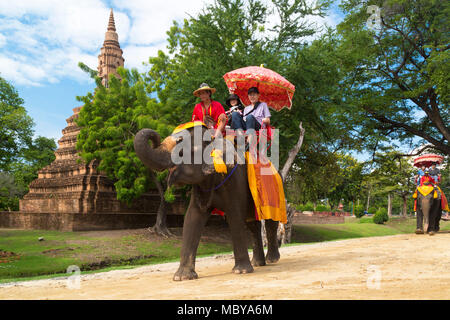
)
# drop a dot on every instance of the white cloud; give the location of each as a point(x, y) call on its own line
point(2, 40)
point(42, 41)
point(152, 19)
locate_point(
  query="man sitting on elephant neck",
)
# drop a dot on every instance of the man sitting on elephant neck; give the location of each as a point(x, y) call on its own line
point(209, 111)
point(426, 179)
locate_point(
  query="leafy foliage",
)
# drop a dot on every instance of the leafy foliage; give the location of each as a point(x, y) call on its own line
point(109, 120)
point(396, 84)
point(16, 127)
point(381, 216)
point(21, 157)
point(359, 211)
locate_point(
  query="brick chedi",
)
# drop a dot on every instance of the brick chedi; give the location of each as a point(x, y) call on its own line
point(110, 57)
point(69, 185)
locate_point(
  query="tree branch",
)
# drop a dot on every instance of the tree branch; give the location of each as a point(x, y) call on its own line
point(292, 153)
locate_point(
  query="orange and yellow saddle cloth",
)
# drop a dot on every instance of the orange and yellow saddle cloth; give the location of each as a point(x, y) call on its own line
point(426, 190)
point(267, 190)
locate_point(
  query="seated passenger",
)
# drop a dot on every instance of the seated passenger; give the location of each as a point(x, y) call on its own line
point(255, 116)
point(435, 173)
point(420, 174)
point(234, 103)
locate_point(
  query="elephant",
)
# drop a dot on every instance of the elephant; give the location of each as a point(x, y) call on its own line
point(429, 211)
point(210, 190)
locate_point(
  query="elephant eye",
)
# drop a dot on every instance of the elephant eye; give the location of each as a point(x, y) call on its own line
point(179, 139)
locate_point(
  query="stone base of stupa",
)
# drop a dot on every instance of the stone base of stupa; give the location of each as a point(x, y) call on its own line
point(72, 195)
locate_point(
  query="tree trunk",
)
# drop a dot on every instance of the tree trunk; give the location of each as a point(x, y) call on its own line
point(405, 205)
point(285, 231)
point(292, 154)
point(160, 226)
point(368, 200)
point(389, 210)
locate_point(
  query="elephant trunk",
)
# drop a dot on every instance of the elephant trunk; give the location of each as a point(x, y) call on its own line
point(157, 158)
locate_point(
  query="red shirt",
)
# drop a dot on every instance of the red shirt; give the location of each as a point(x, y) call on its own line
point(215, 109)
point(425, 179)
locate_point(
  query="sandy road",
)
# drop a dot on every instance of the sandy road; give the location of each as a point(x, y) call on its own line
point(407, 266)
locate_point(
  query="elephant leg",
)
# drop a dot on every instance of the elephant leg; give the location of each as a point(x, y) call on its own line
point(258, 250)
point(193, 225)
point(273, 255)
point(426, 222)
point(419, 229)
point(438, 216)
point(239, 236)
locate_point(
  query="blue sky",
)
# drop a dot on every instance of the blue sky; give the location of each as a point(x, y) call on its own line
point(42, 41)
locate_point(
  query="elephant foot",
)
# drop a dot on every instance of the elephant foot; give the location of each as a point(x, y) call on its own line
point(258, 262)
point(242, 268)
point(419, 231)
point(185, 273)
point(272, 256)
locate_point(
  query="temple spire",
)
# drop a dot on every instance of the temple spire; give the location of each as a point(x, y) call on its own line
point(111, 23)
point(110, 57)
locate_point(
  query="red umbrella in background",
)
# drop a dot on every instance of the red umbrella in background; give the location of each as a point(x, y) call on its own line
point(427, 160)
point(274, 90)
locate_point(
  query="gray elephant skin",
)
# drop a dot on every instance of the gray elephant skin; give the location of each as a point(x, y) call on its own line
point(233, 197)
point(429, 211)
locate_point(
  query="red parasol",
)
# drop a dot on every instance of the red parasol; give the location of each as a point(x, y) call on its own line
point(274, 90)
point(427, 160)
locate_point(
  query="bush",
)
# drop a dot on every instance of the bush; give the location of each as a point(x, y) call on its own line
point(372, 210)
point(322, 208)
point(308, 207)
point(359, 211)
point(381, 216)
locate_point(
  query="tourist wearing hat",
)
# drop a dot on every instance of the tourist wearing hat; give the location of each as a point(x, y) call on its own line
point(426, 178)
point(435, 173)
point(234, 103)
point(209, 111)
point(255, 115)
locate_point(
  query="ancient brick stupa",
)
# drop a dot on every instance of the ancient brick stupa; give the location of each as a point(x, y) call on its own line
point(70, 186)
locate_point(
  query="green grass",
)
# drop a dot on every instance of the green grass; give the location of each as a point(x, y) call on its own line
point(61, 249)
point(360, 228)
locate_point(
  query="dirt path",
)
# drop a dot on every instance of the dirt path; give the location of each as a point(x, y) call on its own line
point(408, 266)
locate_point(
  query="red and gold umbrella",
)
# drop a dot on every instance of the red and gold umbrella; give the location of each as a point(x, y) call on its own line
point(274, 90)
point(428, 159)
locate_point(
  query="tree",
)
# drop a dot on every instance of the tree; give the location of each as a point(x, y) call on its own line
point(16, 127)
point(21, 157)
point(396, 86)
point(35, 157)
point(348, 183)
point(231, 34)
point(9, 192)
point(109, 120)
point(392, 175)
